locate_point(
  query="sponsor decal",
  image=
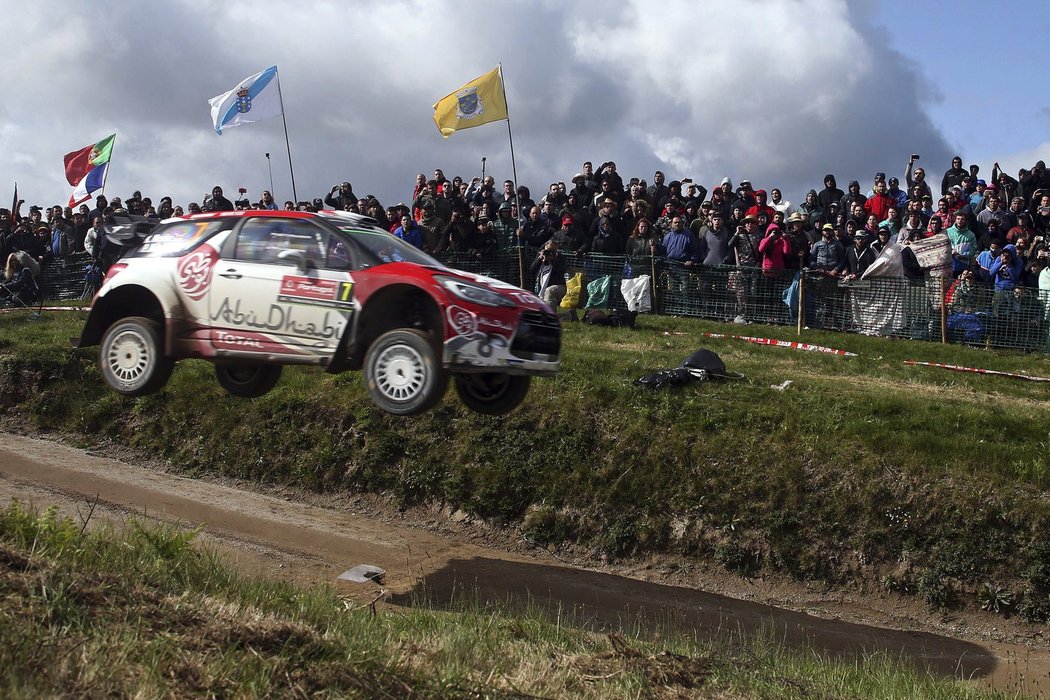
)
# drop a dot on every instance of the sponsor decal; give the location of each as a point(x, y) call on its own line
point(240, 341)
point(194, 271)
point(250, 341)
point(526, 298)
point(495, 323)
point(462, 321)
point(281, 319)
point(296, 289)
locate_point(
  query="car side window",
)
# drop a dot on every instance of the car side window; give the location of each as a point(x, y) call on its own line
point(263, 239)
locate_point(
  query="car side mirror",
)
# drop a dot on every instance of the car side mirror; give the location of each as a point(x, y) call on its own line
point(296, 256)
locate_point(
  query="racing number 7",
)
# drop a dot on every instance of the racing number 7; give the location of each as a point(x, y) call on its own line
point(344, 290)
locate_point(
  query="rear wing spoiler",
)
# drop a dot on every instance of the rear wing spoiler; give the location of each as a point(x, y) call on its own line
point(128, 231)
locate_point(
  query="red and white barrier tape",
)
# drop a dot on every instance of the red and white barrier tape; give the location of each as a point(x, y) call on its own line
point(784, 344)
point(10, 309)
point(978, 370)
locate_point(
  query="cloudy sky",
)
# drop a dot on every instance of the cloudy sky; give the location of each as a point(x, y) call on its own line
point(776, 91)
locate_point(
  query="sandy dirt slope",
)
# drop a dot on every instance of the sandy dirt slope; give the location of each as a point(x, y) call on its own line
point(444, 558)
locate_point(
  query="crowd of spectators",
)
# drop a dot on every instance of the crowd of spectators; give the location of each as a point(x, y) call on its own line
point(997, 227)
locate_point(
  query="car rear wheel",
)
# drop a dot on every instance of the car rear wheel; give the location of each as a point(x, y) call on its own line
point(403, 374)
point(131, 357)
point(492, 393)
point(248, 381)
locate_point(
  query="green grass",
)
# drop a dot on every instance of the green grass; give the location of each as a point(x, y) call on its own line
point(863, 470)
point(144, 612)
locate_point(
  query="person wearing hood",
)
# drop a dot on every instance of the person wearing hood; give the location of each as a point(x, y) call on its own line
point(726, 185)
point(658, 190)
point(953, 176)
point(505, 227)
point(1006, 270)
point(760, 206)
point(719, 203)
point(777, 201)
point(775, 249)
point(853, 196)
point(811, 208)
point(606, 238)
point(1032, 181)
point(830, 193)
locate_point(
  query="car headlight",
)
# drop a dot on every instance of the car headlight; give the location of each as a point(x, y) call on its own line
point(473, 293)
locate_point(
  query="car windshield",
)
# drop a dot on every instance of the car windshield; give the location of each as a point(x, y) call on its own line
point(385, 248)
point(176, 239)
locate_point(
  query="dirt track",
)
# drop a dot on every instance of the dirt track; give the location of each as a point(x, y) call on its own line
point(285, 537)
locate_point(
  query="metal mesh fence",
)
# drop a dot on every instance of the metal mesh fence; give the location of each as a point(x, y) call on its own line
point(972, 313)
point(63, 278)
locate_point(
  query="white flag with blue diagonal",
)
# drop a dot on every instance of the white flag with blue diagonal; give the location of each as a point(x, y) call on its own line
point(256, 98)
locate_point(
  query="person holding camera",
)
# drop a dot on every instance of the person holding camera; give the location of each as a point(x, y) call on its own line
point(216, 202)
point(548, 269)
point(340, 196)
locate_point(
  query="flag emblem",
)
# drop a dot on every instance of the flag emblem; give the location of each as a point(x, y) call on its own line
point(480, 101)
point(255, 98)
point(469, 104)
point(244, 101)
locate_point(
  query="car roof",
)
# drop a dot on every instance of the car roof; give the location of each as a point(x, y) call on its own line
point(327, 214)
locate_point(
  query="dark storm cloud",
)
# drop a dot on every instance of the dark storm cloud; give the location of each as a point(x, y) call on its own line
point(780, 92)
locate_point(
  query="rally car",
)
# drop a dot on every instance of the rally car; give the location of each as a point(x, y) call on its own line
point(252, 291)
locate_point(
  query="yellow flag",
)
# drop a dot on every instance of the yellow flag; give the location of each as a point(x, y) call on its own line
point(480, 101)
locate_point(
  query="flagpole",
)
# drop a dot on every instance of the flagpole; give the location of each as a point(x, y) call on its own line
point(287, 143)
point(514, 174)
point(105, 176)
point(510, 137)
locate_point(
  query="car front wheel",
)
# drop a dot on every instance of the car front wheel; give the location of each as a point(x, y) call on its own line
point(492, 393)
point(248, 381)
point(403, 374)
point(132, 359)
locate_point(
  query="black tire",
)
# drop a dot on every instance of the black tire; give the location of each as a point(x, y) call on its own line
point(248, 381)
point(403, 374)
point(131, 357)
point(492, 393)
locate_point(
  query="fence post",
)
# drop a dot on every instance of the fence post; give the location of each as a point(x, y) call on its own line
point(656, 298)
point(801, 299)
point(944, 309)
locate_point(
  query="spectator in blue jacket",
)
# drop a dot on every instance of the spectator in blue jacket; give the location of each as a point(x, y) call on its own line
point(679, 244)
point(409, 232)
point(1006, 270)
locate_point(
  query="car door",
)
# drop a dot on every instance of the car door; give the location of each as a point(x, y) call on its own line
point(275, 291)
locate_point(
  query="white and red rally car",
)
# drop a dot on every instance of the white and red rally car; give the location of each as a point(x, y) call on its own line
point(252, 291)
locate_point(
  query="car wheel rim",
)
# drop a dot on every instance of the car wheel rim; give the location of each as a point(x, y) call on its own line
point(128, 357)
point(400, 372)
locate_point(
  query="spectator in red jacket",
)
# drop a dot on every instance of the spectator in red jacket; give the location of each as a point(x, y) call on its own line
point(775, 248)
point(880, 201)
point(760, 206)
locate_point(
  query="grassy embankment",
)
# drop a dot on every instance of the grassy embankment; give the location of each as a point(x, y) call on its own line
point(863, 470)
point(142, 612)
